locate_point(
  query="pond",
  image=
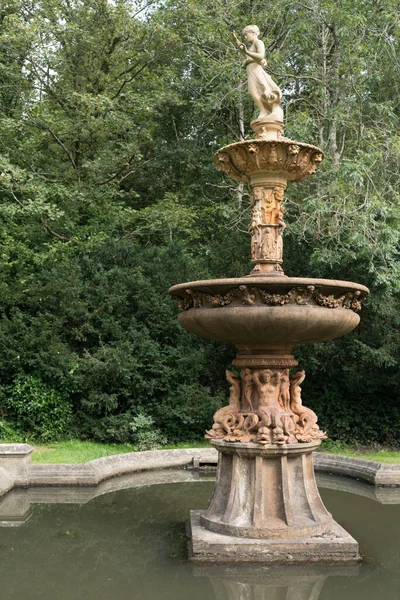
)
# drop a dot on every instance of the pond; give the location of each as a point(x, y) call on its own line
point(129, 542)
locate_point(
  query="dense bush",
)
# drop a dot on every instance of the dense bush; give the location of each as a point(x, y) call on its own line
point(38, 410)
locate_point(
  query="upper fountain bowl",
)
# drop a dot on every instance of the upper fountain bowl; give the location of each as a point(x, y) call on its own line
point(285, 159)
point(269, 312)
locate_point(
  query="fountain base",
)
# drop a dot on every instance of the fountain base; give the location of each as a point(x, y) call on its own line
point(266, 507)
point(334, 547)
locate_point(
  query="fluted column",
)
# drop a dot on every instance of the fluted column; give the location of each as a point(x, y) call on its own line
point(266, 492)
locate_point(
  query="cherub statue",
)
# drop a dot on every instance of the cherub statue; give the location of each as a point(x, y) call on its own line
point(264, 92)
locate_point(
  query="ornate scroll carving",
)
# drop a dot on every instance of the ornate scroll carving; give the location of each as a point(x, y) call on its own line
point(251, 295)
point(265, 407)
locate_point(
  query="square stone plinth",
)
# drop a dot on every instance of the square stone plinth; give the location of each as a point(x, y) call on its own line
point(334, 547)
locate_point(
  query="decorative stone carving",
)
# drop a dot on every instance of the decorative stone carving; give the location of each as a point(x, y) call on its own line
point(266, 244)
point(267, 205)
point(284, 391)
point(282, 362)
point(226, 166)
point(294, 160)
point(226, 417)
point(265, 485)
point(306, 421)
point(263, 90)
point(245, 161)
point(248, 385)
point(266, 408)
point(275, 299)
point(304, 295)
point(251, 295)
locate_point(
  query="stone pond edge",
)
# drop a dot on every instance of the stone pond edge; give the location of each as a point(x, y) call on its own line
point(17, 470)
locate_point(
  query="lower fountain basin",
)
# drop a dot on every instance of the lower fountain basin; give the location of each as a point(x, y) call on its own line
point(271, 312)
point(130, 543)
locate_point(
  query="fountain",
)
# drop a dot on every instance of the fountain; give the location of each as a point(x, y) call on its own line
point(266, 506)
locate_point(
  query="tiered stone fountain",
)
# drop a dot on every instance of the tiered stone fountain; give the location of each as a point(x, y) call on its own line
point(266, 505)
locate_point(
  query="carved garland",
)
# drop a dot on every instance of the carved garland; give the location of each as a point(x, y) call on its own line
point(303, 296)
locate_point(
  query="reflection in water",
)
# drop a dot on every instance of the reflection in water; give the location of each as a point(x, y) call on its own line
point(15, 507)
point(308, 589)
point(383, 495)
point(269, 583)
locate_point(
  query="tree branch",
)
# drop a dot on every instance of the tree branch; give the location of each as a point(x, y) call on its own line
point(129, 80)
point(59, 142)
point(48, 229)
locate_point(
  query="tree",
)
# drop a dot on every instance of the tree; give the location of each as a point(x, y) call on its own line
point(110, 113)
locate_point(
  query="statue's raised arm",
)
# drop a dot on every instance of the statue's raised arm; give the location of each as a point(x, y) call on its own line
point(263, 90)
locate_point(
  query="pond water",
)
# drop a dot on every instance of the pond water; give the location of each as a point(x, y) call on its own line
point(131, 544)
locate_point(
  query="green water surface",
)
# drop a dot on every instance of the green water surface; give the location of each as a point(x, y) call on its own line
point(131, 544)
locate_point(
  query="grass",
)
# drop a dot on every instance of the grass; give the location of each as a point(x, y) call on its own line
point(77, 451)
point(383, 455)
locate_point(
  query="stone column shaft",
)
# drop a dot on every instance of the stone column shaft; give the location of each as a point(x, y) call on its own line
point(266, 493)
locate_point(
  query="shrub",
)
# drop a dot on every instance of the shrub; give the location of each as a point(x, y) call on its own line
point(145, 435)
point(38, 409)
point(125, 428)
point(188, 412)
point(10, 434)
point(114, 429)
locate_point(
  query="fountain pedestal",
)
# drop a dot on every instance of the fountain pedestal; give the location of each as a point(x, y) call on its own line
point(266, 492)
point(266, 507)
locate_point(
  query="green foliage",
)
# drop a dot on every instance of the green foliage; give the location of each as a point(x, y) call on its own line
point(38, 410)
point(110, 113)
point(10, 434)
point(186, 413)
point(146, 435)
point(140, 430)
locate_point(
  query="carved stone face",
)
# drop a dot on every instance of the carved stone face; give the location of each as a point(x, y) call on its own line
point(249, 35)
point(257, 194)
point(266, 376)
point(318, 157)
point(293, 149)
point(279, 194)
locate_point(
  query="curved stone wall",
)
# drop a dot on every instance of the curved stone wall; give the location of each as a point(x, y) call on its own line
point(17, 470)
